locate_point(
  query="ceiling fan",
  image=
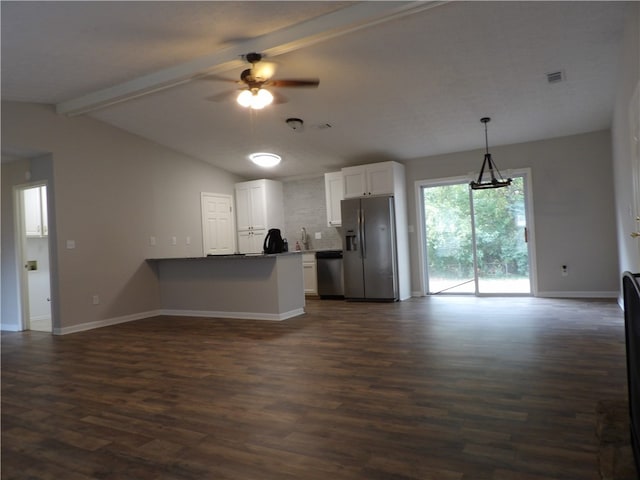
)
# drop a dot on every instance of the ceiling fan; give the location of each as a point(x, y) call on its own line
point(253, 81)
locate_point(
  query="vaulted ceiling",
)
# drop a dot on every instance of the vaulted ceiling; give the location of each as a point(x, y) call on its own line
point(398, 80)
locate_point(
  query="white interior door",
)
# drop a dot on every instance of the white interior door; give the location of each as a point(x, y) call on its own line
point(218, 226)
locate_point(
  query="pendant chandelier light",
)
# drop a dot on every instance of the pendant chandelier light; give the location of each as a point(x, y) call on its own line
point(489, 169)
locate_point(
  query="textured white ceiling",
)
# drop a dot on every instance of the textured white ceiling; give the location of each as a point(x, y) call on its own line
point(53, 51)
point(407, 87)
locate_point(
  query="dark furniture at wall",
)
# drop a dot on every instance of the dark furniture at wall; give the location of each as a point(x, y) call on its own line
point(631, 294)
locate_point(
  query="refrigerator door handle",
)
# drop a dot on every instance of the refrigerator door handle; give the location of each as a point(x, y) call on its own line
point(359, 239)
point(363, 237)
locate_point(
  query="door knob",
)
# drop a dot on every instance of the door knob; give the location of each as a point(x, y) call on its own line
point(635, 234)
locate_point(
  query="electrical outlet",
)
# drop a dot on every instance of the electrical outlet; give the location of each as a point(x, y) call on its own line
point(174, 240)
point(96, 299)
point(152, 241)
point(565, 271)
point(318, 235)
point(188, 241)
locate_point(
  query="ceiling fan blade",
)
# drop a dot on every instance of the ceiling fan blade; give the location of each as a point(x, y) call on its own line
point(295, 83)
point(217, 78)
point(223, 97)
point(278, 98)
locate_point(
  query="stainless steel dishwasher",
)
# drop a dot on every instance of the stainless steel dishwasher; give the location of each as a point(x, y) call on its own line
point(330, 277)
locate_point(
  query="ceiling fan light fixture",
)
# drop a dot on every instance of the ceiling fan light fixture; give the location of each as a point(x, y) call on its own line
point(265, 159)
point(489, 169)
point(264, 98)
point(255, 99)
point(244, 98)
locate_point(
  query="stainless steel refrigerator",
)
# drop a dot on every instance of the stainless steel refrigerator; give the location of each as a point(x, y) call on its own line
point(369, 249)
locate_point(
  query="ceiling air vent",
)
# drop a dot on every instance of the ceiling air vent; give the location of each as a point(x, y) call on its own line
point(555, 77)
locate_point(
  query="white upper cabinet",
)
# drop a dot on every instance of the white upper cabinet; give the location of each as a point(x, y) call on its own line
point(249, 200)
point(35, 212)
point(259, 207)
point(366, 180)
point(334, 193)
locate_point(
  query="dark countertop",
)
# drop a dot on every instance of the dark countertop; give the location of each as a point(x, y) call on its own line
point(238, 256)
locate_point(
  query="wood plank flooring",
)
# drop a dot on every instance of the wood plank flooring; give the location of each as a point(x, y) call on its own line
point(445, 388)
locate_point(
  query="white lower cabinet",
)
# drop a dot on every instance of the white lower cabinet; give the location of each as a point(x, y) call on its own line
point(309, 271)
point(251, 241)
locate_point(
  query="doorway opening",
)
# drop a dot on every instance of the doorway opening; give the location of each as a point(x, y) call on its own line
point(476, 241)
point(33, 251)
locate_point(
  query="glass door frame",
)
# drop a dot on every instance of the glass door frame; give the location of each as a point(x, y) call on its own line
point(422, 243)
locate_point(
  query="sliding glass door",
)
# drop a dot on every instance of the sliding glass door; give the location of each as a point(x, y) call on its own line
point(448, 231)
point(476, 241)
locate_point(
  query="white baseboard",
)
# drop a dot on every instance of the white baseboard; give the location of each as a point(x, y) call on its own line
point(177, 313)
point(578, 294)
point(560, 295)
point(239, 315)
point(105, 323)
point(40, 317)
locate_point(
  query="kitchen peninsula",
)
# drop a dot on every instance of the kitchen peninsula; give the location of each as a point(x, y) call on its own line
point(259, 287)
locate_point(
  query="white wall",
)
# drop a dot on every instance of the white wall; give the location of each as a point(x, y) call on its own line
point(621, 135)
point(573, 207)
point(113, 191)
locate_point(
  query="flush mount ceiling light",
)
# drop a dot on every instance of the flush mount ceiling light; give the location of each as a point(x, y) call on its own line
point(264, 159)
point(256, 98)
point(495, 179)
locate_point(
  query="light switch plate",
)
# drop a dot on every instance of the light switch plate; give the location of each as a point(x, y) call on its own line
point(71, 244)
point(318, 235)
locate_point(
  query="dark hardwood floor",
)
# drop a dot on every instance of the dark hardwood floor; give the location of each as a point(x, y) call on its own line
point(442, 388)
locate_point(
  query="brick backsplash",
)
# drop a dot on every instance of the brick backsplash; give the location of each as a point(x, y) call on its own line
point(304, 206)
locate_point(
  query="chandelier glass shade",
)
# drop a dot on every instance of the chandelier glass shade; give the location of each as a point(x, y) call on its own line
point(256, 99)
